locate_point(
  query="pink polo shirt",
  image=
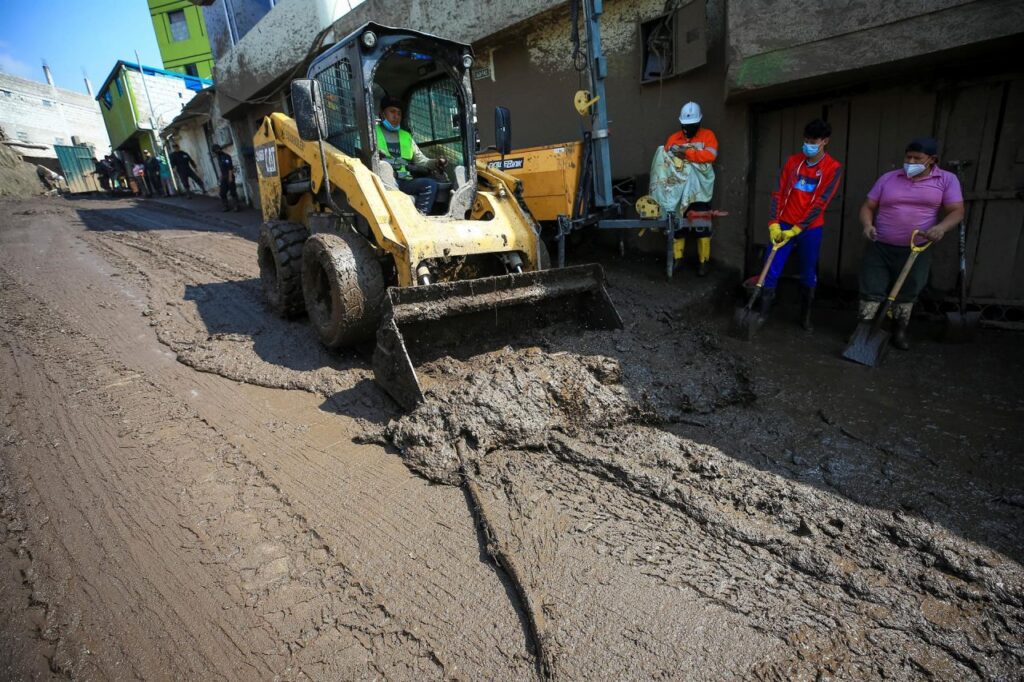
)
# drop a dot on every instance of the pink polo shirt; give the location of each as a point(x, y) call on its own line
point(905, 205)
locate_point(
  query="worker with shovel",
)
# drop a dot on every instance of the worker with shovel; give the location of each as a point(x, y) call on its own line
point(902, 201)
point(807, 184)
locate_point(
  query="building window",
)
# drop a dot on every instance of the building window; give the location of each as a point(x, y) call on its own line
point(5, 93)
point(674, 43)
point(108, 101)
point(47, 103)
point(23, 136)
point(179, 26)
point(191, 70)
point(117, 84)
point(58, 140)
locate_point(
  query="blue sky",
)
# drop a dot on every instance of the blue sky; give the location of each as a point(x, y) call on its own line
point(74, 34)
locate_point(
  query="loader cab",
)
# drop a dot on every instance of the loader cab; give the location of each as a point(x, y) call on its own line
point(429, 75)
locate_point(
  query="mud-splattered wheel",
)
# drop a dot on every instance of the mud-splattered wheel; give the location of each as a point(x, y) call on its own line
point(343, 285)
point(280, 259)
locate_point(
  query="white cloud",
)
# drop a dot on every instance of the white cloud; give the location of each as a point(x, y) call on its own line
point(14, 66)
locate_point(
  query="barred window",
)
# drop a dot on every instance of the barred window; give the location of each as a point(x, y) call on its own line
point(340, 106)
point(434, 120)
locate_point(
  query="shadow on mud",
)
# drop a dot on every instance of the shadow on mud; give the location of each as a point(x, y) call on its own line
point(145, 216)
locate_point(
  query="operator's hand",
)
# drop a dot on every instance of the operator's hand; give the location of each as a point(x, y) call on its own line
point(870, 232)
point(934, 234)
point(775, 232)
point(786, 235)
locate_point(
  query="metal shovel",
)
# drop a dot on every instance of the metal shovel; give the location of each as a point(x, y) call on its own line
point(745, 322)
point(960, 324)
point(869, 341)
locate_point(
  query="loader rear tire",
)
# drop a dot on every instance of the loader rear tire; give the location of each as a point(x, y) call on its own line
point(343, 286)
point(280, 259)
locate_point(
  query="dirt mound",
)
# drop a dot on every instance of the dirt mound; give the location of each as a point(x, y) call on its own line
point(17, 178)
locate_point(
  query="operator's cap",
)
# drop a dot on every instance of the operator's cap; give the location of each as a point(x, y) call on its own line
point(926, 145)
point(389, 101)
point(690, 113)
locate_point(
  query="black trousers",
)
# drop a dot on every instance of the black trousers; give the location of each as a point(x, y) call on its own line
point(423, 191)
point(228, 187)
point(881, 266)
point(184, 174)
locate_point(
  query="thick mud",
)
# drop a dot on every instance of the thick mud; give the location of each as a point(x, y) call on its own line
point(577, 450)
point(654, 502)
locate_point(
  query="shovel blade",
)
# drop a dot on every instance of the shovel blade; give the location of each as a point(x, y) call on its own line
point(433, 320)
point(960, 327)
point(745, 323)
point(868, 345)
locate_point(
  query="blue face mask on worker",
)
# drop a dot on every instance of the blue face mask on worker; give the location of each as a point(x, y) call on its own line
point(914, 169)
point(811, 150)
point(388, 125)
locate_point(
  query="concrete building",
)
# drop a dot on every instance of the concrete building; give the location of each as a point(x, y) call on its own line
point(760, 69)
point(228, 21)
point(182, 37)
point(137, 103)
point(36, 116)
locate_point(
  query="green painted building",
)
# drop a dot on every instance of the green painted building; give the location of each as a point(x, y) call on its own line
point(182, 37)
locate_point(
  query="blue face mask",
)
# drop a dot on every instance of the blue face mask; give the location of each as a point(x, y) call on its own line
point(914, 169)
point(388, 125)
point(811, 150)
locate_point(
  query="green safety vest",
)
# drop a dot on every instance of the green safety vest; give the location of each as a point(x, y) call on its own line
point(404, 147)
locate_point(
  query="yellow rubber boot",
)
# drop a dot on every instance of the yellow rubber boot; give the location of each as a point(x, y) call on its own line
point(677, 248)
point(703, 255)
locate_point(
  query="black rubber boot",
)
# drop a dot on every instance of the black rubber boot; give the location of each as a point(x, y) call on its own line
point(899, 336)
point(702, 268)
point(764, 305)
point(806, 299)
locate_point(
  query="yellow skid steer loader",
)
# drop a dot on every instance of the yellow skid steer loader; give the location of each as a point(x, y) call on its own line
point(343, 242)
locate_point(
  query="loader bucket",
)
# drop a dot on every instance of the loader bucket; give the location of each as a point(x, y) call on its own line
point(431, 320)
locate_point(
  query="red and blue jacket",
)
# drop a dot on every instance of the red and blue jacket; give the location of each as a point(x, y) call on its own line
point(804, 191)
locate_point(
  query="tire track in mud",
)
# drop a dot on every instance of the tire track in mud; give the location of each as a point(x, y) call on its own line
point(586, 487)
point(179, 539)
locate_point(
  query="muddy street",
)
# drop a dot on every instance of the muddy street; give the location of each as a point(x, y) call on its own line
point(194, 488)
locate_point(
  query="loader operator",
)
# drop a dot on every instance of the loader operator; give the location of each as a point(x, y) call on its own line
point(683, 178)
point(397, 147)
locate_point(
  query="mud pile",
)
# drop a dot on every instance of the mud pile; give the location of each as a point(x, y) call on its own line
point(17, 178)
point(571, 462)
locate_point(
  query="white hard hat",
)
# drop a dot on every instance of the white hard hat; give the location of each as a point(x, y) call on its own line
point(690, 113)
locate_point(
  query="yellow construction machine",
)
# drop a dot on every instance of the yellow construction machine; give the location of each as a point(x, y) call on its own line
point(343, 243)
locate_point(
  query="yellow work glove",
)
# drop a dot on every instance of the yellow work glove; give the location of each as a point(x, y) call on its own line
point(790, 233)
point(774, 230)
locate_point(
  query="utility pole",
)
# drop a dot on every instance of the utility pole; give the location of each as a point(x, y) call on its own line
point(152, 121)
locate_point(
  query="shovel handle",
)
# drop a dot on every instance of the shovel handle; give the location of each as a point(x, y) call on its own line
point(914, 251)
point(768, 262)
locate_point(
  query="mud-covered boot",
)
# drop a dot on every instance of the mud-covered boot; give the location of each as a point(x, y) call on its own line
point(901, 320)
point(899, 336)
point(764, 306)
point(806, 299)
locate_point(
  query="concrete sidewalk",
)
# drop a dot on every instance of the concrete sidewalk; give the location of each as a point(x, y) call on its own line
point(205, 204)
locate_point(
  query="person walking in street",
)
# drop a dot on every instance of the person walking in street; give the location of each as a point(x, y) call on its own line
point(139, 173)
point(901, 201)
point(151, 168)
point(807, 183)
point(166, 181)
point(226, 167)
point(683, 177)
point(186, 169)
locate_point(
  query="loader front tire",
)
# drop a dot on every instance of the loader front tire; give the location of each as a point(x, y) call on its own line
point(280, 259)
point(343, 286)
